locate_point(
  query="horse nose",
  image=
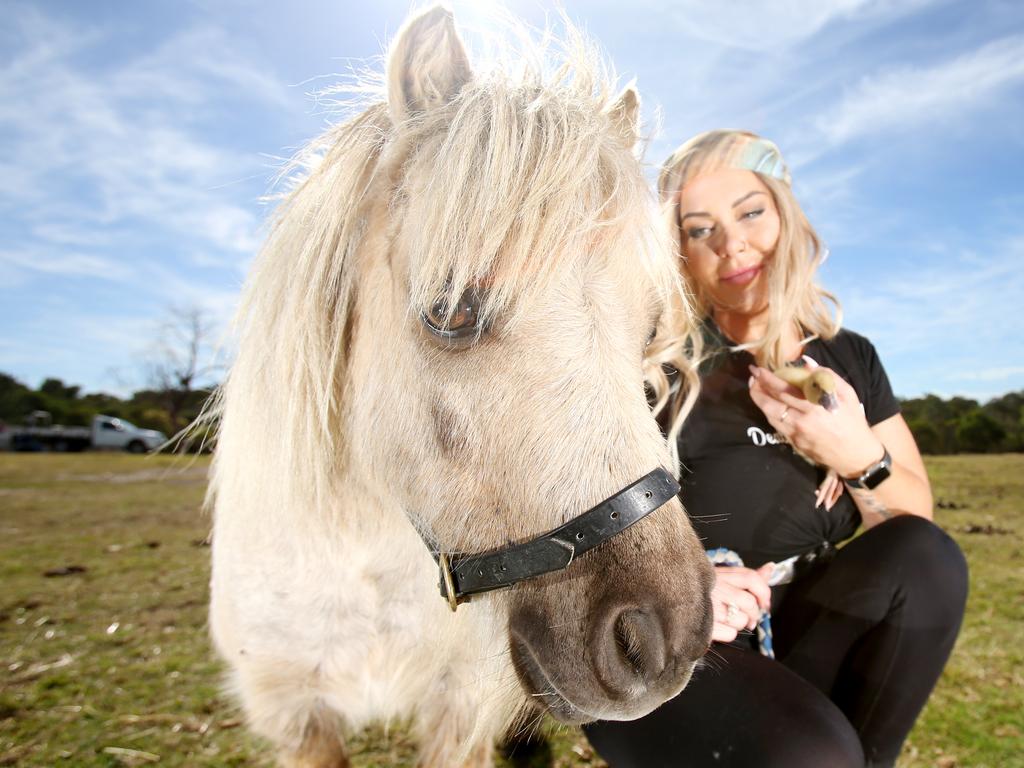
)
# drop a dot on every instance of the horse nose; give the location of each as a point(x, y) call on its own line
point(638, 650)
point(640, 643)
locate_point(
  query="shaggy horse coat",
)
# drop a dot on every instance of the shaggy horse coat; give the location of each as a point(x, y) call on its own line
point(441, 345)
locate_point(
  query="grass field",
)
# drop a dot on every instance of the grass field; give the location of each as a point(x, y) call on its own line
point(104, 657)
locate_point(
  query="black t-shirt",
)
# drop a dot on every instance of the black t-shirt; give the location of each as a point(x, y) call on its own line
point(745, 489)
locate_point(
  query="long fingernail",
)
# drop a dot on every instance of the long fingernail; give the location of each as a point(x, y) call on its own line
point(750, 382)
point(754, 370)
point(810, 361)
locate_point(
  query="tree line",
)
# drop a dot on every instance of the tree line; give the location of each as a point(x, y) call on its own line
point(168, 410)
point(179, 366)
point(956, 425)
point(962, 425)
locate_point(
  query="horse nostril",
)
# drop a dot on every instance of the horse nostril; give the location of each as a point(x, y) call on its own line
point(639, 640)
point(628, 643)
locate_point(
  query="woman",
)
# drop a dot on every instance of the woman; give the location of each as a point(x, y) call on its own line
point(860, 634)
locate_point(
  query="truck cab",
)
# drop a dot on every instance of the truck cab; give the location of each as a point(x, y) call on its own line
point(109, 432)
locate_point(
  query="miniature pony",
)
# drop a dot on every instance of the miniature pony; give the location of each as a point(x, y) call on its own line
point(440, 350)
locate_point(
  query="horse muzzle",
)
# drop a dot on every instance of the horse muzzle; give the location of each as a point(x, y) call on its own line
point(607, 620)
point(634, 655)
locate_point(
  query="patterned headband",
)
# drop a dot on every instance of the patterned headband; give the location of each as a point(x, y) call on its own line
point(762, 156)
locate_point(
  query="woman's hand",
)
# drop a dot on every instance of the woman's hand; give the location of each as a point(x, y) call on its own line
point(841, 439)
point(738, 598)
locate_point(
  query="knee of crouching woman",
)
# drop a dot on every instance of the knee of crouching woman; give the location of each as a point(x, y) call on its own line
point(934, 568)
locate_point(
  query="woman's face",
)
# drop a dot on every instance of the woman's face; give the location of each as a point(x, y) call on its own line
point(729, 228)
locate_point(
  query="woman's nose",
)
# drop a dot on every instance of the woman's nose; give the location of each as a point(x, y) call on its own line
point(733, 242)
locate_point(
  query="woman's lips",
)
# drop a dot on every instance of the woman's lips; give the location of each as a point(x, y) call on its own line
point(742, 277)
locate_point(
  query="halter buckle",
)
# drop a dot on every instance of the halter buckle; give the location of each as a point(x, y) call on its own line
point(449, 583)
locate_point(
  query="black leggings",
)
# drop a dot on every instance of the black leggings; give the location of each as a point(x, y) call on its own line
point(862, 641)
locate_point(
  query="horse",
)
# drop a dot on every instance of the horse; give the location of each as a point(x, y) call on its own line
point(440, 350)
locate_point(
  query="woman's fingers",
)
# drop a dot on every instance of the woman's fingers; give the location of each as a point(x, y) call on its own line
point(837, 491)
point(729, 615)
point(829, 491)
point(746, 580)
point(774, 397)
point(738, 599)
point(772, 383)
point(734, 607)
point(723, 633)
point(781, 390)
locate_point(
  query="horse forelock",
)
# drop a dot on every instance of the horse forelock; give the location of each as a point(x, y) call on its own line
point(522, 175)
point(523, 171)
point(516, 184)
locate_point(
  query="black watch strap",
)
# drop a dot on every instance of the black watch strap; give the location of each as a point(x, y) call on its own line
point(873, 475)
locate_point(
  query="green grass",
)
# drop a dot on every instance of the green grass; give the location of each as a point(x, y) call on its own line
point(975, 717)
point(112, 666)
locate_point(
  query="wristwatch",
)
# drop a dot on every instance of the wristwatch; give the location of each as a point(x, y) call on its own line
point(873, 475)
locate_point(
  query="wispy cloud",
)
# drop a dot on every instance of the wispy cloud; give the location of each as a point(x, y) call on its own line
point(123, 145)
point(946, 329)
point(954, 303)
point(201, 56)
point(756, 26)
point(1000, 373)
point(64, 262)
point(119, 168)
point(908, 96)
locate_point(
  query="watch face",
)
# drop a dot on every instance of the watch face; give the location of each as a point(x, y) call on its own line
point(879, 473)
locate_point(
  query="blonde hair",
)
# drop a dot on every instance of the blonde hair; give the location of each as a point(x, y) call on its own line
point(793, 296)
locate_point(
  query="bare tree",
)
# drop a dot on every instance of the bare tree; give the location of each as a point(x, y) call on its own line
point(181, 360)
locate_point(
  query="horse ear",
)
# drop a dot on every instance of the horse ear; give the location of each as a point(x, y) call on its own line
point(427, 65)
point(625, 114)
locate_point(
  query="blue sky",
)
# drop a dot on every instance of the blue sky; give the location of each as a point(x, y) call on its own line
point(137, 139)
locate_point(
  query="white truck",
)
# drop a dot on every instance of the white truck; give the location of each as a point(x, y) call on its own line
point(106, 432)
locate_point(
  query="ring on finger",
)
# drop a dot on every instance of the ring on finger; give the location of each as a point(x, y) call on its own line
point(732, 612)
point(785, 413)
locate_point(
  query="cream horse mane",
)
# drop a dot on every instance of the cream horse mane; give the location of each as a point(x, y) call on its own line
point(560, 98)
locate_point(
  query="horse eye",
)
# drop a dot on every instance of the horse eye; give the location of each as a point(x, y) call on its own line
point(460, 322)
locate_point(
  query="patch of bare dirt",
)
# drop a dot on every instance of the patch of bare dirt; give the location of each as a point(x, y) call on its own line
point(183, 476)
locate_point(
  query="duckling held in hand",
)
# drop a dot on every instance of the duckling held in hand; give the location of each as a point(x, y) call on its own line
point(818, 385)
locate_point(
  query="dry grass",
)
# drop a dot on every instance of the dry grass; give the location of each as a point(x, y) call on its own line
point(106, 662)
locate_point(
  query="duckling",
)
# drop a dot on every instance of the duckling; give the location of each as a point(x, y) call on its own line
point(818, 386)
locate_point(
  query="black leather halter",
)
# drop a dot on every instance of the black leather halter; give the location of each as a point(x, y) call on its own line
point(463, 575)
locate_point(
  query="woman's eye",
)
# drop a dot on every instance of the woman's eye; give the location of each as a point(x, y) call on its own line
point(698, 233)
point(753, 214)
point(460, 322)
